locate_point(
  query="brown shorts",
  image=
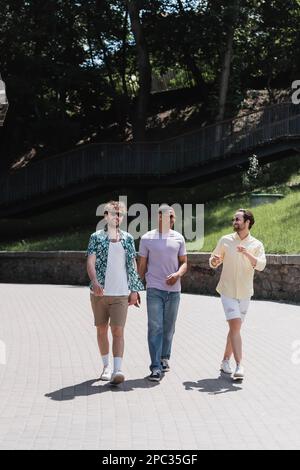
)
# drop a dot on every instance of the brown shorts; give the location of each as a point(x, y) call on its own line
point(109, 307)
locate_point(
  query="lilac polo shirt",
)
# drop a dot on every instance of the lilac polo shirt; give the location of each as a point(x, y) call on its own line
point(162, 251)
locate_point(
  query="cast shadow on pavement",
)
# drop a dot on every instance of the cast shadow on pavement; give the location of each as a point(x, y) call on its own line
point(223, 384)
point(96, 386)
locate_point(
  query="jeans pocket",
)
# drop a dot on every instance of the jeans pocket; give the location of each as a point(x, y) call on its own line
point(152, 292)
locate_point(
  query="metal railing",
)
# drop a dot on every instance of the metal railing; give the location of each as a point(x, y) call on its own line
point(152, 159)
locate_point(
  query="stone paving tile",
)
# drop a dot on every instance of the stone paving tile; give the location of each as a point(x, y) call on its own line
point(51, 396)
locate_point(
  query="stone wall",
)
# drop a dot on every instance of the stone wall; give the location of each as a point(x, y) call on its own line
point(279, 281)
point(43, 267)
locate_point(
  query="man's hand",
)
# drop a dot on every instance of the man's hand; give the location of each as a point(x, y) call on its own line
point(172, 279)
point(251, 258)
point(97, 289)
point(133, 299)
point(216, 260)
point(142, 266)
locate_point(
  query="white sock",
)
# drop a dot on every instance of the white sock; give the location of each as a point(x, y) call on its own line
point(105, 360)
point(117, 363)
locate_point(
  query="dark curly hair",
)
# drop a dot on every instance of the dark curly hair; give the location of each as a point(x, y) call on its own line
point(247, 216)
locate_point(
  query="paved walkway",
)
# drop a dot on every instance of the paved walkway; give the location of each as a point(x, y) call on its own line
point(50, 397)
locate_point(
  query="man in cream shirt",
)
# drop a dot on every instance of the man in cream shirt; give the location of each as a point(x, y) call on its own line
point(240, 254)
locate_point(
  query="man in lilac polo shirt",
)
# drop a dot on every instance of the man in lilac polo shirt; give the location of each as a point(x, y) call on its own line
point(162, 261)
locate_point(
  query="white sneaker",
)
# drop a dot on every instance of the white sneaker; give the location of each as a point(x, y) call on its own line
point(117, 378)
point(239, 372)
point(106, 373)
point(165, 366)
point(226, 367)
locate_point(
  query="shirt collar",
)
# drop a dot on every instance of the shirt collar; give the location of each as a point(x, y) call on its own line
point(236, 236)
point(105, 232)
point(163, 234)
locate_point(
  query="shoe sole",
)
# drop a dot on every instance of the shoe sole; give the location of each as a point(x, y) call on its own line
point(225, 372)
point(154, 380)
point(105, 379)
point(237, 378)
point(117, 380)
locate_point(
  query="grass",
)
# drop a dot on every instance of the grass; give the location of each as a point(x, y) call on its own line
point(277, 226)
point(74, 241)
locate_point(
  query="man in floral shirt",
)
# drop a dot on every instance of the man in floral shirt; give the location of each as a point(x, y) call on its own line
point(114, 286)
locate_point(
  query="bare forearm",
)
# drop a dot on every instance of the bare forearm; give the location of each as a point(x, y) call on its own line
point(182, 269)
point(91, 270)
point(136, 269)
point(142, 268)
point(141, 273)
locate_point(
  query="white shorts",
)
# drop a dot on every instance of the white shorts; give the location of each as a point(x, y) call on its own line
point(235, 308)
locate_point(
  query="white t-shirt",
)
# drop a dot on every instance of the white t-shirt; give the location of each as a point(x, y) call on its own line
point(116, 282)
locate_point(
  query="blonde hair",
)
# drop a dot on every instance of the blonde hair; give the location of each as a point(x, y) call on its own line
point(116, 206)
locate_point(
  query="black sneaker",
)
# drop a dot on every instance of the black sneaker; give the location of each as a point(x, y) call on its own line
point(165, 365)
point(155, 376)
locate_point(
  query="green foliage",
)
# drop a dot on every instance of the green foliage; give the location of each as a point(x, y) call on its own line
point(68, 65)
point(254, 175)
point(276, 225)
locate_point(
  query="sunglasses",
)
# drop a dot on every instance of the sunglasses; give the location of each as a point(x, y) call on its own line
point(113, 213)
point(235, 219)
point(171, 215)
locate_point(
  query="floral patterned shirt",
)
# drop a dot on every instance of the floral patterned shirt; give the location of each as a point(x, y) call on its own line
point(99, 245)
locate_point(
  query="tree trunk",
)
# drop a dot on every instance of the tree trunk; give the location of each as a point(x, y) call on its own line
point(144, 70)
point(191, 63)
point(118, 106)
point(225, 74)
point(124, 45)
point(225, 77)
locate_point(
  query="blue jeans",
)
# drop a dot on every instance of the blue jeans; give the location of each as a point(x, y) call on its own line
point(162, 309)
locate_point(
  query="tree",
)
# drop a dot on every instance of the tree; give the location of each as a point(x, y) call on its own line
point(144, 70)
point(68, 65)
point(231, 19)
